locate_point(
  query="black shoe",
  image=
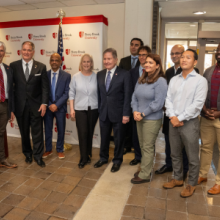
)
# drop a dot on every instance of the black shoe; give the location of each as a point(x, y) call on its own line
point(164, 169)
point(81, 165)
point(126, 150)
point(40, 162)
point(89, 159)
point(115, 167)
point(100, 163)
point(134, 162)
point(28, 160)
point(184, 176)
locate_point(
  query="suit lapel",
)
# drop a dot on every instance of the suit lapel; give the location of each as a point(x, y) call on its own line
point(8, 76)
point(59, 79)
point(33, 70)
point(129, 62)
point(21, 70)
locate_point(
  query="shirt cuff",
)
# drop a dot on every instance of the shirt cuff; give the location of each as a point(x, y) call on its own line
point(181, 117)
point(44, 104)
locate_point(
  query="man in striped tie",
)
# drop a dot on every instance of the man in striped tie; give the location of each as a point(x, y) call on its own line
point(6, 104)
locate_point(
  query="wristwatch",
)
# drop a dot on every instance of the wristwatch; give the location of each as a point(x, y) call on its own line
point(142, 115)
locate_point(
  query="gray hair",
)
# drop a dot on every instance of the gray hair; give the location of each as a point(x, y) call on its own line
point(2, 44)
point(112, 51)
point(30, 43)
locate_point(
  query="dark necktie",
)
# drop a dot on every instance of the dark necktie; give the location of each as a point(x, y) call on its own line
point(108, 80)
point(53, 86)
point(26, 72)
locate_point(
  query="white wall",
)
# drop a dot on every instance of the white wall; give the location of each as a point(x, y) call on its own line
point(114, 12)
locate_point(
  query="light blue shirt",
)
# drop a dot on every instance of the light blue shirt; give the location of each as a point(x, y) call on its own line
point(141, 70)
point(83, 90)
point(136, 59)
point(186, 97)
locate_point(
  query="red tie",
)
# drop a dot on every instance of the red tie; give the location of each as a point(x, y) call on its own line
point(2, 87)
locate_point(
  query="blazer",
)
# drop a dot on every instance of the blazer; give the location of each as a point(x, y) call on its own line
point(35, 90)
point(134, 76)
point(9, 73)
point(61, 91)
point(116, 102)
point(125, 63)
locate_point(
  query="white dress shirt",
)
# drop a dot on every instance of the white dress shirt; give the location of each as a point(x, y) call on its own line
point(186, 97)
point(175, 70)
point(5, 78)
point(56, 76)
point(112, 73)
point(30, 64)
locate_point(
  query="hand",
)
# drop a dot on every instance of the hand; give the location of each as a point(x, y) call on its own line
point(12, 117)
point(43, 109)
point(53, 108)
point(175, 122)
point(72, 114)
point(137, 116)
point(209, 114)
point(125, 119)
point(216, 114)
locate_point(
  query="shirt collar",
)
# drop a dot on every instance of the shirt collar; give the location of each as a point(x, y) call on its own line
point(136, 57)
point(1, 65)
point(55, 72)
point(29, 63)
point(141, 68)
point(113, 69)
point(193, 73)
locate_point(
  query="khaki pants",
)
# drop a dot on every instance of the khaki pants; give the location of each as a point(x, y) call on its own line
point(147, 134)
point(210, 134)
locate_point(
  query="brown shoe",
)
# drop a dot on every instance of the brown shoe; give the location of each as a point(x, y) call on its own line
point(173, 183)
point(61, 155)
point(188, 191)
point(214, 190)
point(46, 154)
point(138, 180)
point(136, 174)
point(7, 164)
point(201, 179)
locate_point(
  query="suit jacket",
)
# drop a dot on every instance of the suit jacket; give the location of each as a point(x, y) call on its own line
point(61, 91)
point(9, 73)
point(134, 76)
point(115, 103)
point(125, 63)
point(35, 90)
point(169, 75)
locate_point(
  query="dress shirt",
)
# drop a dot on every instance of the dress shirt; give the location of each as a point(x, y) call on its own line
point(5, 80)
point(136, 59)
point(175, 70)
point(186, 97)
point(141, 70)
point(30, 64)
point(53, 75)
point(83, 90)
point(112, 73)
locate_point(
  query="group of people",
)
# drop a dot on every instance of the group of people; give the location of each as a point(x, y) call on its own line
point(131, 99)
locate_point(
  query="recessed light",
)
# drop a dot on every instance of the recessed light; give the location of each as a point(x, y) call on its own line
point(199, 12)
point(192, 25)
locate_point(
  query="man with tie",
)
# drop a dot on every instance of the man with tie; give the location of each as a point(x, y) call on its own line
point(31, 95)
point(114, 98)
point(57, 108)
point(136, 72)
point(129, 63)
point(6, 104)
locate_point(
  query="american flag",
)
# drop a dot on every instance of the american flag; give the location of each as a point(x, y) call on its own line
point(60, 46)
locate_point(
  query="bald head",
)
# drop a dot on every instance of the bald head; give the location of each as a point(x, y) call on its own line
point(55, 61)
point(176, 53)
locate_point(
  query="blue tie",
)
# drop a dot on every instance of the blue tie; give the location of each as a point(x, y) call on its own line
point(133, 62)
point(108, 80)
point(53, 86)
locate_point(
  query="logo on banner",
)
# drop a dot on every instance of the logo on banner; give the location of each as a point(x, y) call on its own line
point(54, 35)
point(67, 51)
point(81, 34)
point(19, 52)
point(42, 52)
point(88, 35)
point(68, 116)
point(7, 37)
point(30, 36)
point(64, 67)
point(8, 54)
point(36, 37)
point(77, 53)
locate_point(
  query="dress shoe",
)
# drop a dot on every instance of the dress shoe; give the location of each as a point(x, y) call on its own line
point(99, 163)
point(81, 165)
point(7, 164)
point(28, 160)
point(201, 179)
point(89, 159)
point(188, 191)
point(173, 183)
point(138, 180)
point(126, 150)
point(164, 169)
point(134, 162)
point(115, 167)
point(46, 154)
point(40, 163)
point(214, 190)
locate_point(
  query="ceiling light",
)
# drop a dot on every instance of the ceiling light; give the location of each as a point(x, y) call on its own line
point(192, 25)
point(199, 12)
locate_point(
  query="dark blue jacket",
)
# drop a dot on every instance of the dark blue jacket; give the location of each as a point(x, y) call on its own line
point(134, 76)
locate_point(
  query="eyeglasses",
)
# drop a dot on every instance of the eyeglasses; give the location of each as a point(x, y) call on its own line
point(142, 55)
point(177, 53)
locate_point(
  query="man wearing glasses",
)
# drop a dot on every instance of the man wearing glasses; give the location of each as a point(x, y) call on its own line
point(175, 54)
point(143, 51)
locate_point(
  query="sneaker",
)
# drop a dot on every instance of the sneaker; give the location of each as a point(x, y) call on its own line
point(173, 183)
point(46, 154)
point(61, 155)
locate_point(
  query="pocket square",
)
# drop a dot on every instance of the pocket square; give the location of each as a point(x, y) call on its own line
point(38, 74)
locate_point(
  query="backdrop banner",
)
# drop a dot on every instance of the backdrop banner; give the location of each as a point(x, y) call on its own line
point(87, 34)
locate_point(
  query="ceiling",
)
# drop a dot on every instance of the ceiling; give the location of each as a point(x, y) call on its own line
point(19, 5)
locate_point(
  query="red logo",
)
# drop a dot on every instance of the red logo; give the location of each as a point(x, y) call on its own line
point(68, 116)
point(42, 52)
point(67, 51)
point(54, 35)
point(81, 34)
point(55, 129)
point(12, 124)
point(19, 52)
point(7, 37)
point(64, 67)
point(30, 36)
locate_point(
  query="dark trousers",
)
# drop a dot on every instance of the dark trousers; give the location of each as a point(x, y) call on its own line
point(118, 129)
point(48, 124)
point(128, 129)
point(136, 145)
point(85, 123)
point(168, 155)
point(25, 122)
point(3, 123)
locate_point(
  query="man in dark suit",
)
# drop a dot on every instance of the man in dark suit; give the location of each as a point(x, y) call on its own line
point(57, 108)
point(31, 94)
point(114, 98)
point(176, 53)
point(6, 104)
point(129, 63)
point(136, 72)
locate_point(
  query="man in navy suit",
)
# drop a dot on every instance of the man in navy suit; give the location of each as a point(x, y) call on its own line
point(114, 98)
point(57, 108)
point(143, 51)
